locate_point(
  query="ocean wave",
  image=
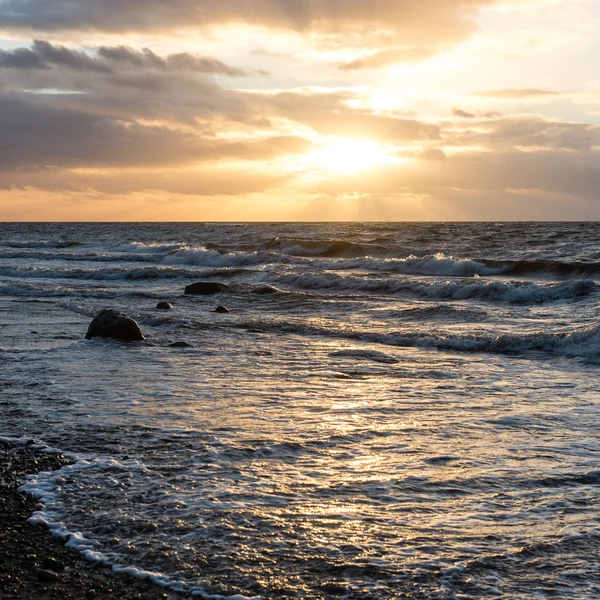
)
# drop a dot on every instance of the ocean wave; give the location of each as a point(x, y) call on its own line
point(528, 268)
point(437, 311)
point(49, 255)
point(44, 244)
point(142, 248)
point(438, 264)
point(518, 292)
point(24, 290)
point(212, 258)
point(332, 248)
point(583, 344)
point(116, 274)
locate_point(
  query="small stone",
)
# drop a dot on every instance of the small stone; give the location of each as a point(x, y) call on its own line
point(47, 576)
point(164, 306)
point(221, 310)
point(180, 345)
point(51, 564)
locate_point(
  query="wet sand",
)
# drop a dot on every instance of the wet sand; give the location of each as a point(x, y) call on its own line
point(33, 563)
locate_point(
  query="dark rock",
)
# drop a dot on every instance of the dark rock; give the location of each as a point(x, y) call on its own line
point(51, 564)
point(47, 576)
point(111, 323)
point(206, 288)
point(221, 310)
point(164, 306)
point(180, 345)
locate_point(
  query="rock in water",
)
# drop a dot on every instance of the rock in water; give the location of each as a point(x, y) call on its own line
point(221, 310)
point(180, 345)
point(111, 323)
point(205, 288)
point(164, 306)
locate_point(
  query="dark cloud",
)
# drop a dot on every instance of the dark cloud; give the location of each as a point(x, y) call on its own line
point(39, 131)
point(516, 94)
point(43, 55)
point(183, 61)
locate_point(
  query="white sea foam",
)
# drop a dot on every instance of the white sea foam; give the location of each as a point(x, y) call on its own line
point(47, 489)
point(438, 264)
point(211, 258)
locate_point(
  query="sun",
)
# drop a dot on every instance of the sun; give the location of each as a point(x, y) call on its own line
point(349, 156)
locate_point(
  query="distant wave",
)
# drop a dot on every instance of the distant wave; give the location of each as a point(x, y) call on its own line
point(446, 312)
point(438, 264)
point(28, 290)
point(331, 248)
point(141, 248)
point(43, 244)
point(49, 255)
point(211, 258)
point(584, 343)
point(505, 291)
point(116, 274)
point(545, 267)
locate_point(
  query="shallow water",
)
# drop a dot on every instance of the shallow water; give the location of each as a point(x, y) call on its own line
point(388, 411)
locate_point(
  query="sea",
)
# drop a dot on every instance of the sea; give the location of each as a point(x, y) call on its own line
point(388, 410)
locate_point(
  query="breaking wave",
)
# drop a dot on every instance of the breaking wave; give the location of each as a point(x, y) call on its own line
point(519, 292)
point(583, 344)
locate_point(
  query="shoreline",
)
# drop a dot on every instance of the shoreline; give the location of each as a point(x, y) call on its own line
point(35, 564)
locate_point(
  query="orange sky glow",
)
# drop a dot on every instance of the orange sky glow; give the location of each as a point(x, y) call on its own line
point(299, 110)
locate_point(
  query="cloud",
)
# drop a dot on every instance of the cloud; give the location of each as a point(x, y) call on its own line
point(406, 29)
point(183, 61)
point(526, 132)
point(516, 94)
point(44, 55)
point(127, 15)
point(39, 131)
point(462, 114)
point(330, 113)
point(388, 57)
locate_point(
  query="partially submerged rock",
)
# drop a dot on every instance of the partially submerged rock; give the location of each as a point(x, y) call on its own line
point(110, 323)
point(206, 288)
point(164, 306)
point(180, 345)
point(221, 310)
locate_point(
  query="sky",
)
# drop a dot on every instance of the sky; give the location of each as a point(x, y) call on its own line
point(301, 110)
